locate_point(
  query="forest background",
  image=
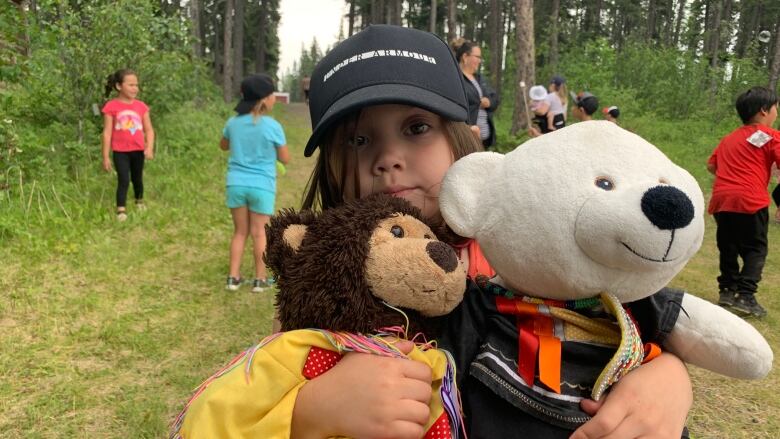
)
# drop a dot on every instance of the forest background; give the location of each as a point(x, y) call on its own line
point(105, 328)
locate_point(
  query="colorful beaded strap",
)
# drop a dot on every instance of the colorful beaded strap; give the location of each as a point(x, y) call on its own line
point(537, 340)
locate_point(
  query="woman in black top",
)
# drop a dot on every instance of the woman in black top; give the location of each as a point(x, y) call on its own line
point(483, 100)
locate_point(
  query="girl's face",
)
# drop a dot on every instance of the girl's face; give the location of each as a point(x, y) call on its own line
point(399, 150)
point(128, 89)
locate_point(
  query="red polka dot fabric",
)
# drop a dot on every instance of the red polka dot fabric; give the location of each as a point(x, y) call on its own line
point(440, 429)
point(319, 361)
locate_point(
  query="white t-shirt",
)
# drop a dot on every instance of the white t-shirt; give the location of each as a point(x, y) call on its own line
point(556, 107)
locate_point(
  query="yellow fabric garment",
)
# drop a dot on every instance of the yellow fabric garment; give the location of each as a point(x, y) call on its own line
point(260, 405)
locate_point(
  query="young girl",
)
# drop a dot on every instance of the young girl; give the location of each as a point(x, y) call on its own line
point(387, 111)
point(255, 141)
point(125, 121)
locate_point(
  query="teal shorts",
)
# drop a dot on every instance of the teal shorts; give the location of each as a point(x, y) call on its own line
point(258, 200)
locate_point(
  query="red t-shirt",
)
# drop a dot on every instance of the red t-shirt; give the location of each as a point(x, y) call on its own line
point(128, 132)
point(743, 162)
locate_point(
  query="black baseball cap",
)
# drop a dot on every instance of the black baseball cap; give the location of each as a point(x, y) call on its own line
point(385, 64)
point(586, 101)
point(254, 88)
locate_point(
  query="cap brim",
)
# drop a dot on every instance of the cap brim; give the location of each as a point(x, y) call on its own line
point(384, 94)
point(244, 107)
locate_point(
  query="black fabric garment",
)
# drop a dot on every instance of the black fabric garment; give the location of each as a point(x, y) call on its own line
point(741, 235)
point(558, 122)
point(472, 95)
point(129, 166)
point(496, 404)
point(776, 195)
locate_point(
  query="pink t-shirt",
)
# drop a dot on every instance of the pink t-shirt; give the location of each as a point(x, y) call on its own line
point(128, 132)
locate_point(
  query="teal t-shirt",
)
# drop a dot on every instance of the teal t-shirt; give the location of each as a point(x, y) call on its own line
point(253, 144)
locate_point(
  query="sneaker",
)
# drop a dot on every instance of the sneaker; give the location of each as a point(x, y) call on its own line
point(259, 285)
point(140, 206)
point(726, 297)
point(121, 215)
point(746, 304)
point(233, 283)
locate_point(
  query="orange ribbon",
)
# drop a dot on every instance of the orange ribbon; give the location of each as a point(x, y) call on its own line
point(536, 340)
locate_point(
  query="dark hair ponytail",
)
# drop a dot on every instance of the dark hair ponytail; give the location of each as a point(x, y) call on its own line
point(115, 78)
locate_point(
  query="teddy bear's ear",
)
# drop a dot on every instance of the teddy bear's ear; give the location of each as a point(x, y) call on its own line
point(293, 235)
point(465, 186)
point(284, 234)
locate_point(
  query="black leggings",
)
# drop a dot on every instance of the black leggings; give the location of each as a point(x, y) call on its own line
point(776, 195)
point(129, 165)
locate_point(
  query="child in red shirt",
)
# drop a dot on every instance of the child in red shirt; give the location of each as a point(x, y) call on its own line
point(742, 165)
point(125, 121)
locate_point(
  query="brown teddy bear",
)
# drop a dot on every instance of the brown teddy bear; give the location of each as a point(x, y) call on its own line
point(348, 273)
point(336, 269)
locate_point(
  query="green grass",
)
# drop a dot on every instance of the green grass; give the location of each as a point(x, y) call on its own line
point(106, 327)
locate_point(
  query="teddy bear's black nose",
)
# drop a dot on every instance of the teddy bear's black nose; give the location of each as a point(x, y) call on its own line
point(443, 255)
point(667, 207)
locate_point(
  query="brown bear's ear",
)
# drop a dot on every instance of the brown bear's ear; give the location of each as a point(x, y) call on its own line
point(284, 234)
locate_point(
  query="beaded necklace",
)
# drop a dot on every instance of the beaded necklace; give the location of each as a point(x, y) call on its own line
point(498, 290)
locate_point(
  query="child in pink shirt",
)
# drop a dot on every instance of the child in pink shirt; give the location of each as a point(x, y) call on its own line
point(125, 122)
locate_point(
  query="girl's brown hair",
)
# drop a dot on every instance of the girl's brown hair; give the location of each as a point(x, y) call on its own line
point(325, 188)
point(115, 78)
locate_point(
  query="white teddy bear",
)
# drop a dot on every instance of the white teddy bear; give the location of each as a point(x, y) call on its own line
point(587, 222)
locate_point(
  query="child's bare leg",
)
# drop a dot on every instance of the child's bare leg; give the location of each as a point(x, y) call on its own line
point(257, 224)
point(240, 232)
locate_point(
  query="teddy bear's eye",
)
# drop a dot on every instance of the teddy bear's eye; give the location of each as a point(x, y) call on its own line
point(427, 236)
point(605, 183)
point(397, 231)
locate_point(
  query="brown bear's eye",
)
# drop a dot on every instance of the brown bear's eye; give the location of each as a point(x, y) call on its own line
point(397, 231)
point(605, 183)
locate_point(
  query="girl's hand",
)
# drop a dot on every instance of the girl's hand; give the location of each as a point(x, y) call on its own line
point(148, 154)
point(106, 164)
point(366, 396)
point(639, 407)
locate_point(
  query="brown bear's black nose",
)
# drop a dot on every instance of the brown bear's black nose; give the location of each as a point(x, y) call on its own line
point(443, 255)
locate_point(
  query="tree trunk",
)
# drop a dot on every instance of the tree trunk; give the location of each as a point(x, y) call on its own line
point(217, 45)
point(715, 26)
point(748, 22)
point(238, 46)
point(525, 57)
point(554, 18)
point(774, 71)
point(651, 20)
point(351, 19)
point(260, 43)
point(597, 17)
point(25, 36)
point(678, 22)
point(433, 16)
point(496, 41)
point(452, 10)
point(227, 75)
point(396, 7)
point(197, 47)
point(379, 12)
point(714, 39)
